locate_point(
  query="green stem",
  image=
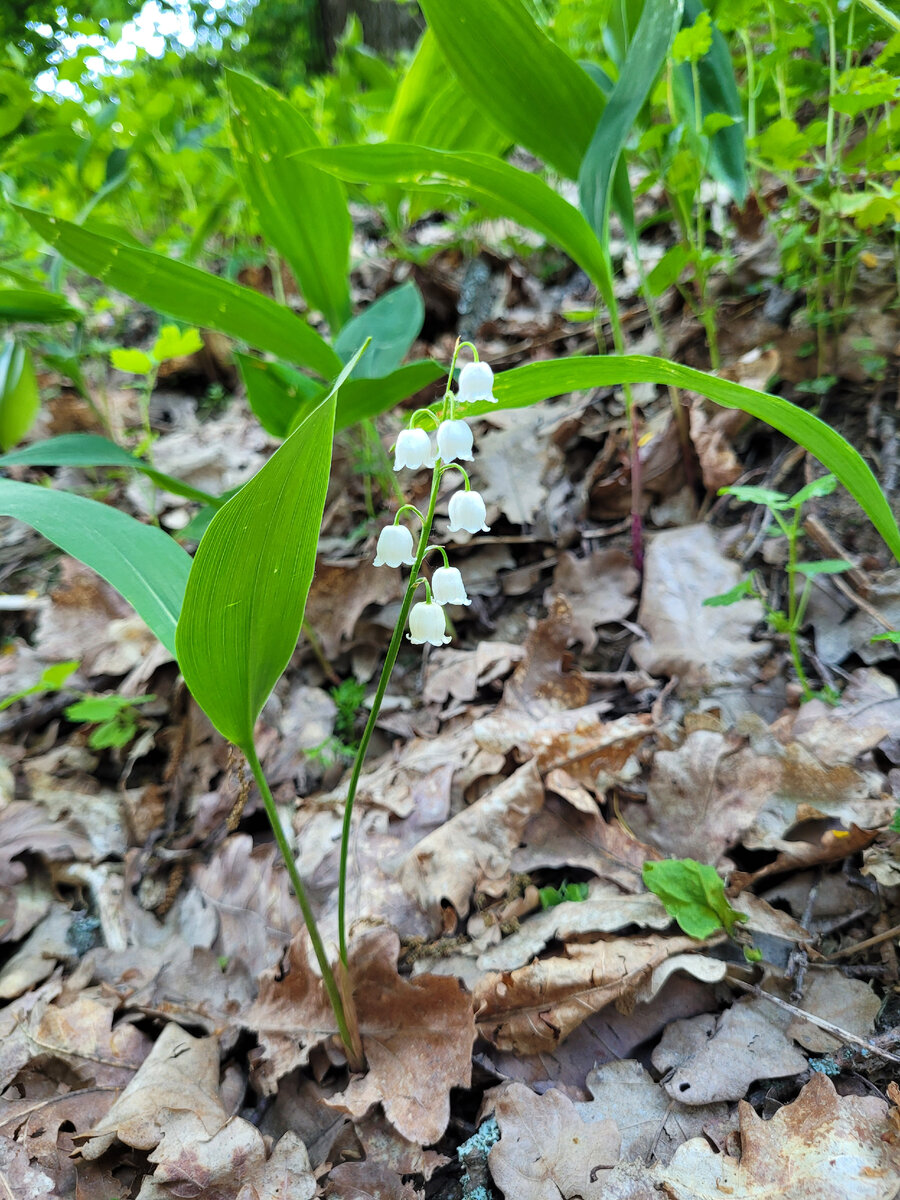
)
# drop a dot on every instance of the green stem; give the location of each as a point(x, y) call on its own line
point(876, 7)
point(351, 1045)
point(386, 670)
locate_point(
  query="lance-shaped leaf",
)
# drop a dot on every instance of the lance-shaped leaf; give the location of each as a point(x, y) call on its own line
point(28, 304)
point(393, 322)
point(142, 563)
point(20, 399)
point(519, 79)
point(301, 212)
point(642, 64)
point(539, 381)
point(92, 450)
point(188, 294)
point(250, 578)
point(516, 194)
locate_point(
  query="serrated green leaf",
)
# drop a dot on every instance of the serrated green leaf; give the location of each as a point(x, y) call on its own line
point(739, 592)
point(393, 322)
point(188, 294)
point(693, 895)
point(519, 195)
point(527, 385)
point(173, 342)
point(757, 495)
point(247, 591)
point(302, 213)
point(520, 80)
point(142, 563)
point(693, 41)
point(823, 486)
point(826, 566)
point(135, 362)
point(20, 400)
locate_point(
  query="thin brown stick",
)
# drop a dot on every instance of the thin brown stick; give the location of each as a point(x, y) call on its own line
point(842, 1035)
point(846, 951)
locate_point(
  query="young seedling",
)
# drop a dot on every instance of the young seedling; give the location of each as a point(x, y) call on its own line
point(787, 514)
point(115, 718)
point(171, 343)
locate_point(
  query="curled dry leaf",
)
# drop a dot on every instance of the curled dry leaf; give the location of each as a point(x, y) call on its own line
point(606, 911)
point(717, 1058)
point(701, 646)
point(711, 432)
point(477, 843)
point(546, 1151)
point(531, 1010)
point(518, 494)
point(368, 1181)
point(180, 1073)
point(339, 595)
point(599, 589)
point(850, 1004)
point(417, 1034)
point(460, 673)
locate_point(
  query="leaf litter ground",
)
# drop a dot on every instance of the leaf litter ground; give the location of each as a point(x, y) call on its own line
point(164, 1032)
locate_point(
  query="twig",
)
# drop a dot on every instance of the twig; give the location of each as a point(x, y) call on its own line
point(846, 951)
point(841, 1034)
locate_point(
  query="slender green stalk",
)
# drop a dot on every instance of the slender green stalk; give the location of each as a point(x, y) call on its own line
point(340, 1004)
point(386, 670)
point(890, 18)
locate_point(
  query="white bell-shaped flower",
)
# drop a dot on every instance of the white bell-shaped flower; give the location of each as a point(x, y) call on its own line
point(466, 511)
point(476, 382)
point(454, 441)
point(413, 450)
point(427, 623)
point(395, 547)
point(447, 587)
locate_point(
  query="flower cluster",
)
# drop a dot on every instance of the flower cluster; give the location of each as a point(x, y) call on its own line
point(415, 448)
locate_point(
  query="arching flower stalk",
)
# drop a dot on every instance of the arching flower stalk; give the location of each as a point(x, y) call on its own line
point(396, 547)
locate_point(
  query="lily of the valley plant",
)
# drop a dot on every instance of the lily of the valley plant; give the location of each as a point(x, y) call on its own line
point(440, 441)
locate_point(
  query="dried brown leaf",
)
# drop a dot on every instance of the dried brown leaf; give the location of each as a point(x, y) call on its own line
point(18, 1179)
point(417, 1034)
point(368, 1181)
point(599, 590)
point(715, 1059)
point(477, 843)
point(702, 646)
point(546, 1151)
point(340, 594)
point(533, 1009)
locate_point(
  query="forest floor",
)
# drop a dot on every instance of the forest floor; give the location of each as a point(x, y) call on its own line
point(535, 1024)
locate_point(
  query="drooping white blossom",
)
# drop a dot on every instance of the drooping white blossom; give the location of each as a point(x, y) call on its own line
point(413, 450)
point(427, 623)
point(466, 511)
point(395, 547)
point(447, 586)
point(454, 441)
point(476, 382)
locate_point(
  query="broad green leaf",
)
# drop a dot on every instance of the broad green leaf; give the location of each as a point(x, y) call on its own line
point(825, 566)
point(173, 342)
point(92, 450)
point(393, 322)
point(135, 362)
point(520, 80)
point(20, 399)
point(141, 562)
point(188, 294)
point(718, 94)
point(516, 194)
point(275, 392)
point(302, 212)
point(724, 599)
point(693, 894)
point(642, 64)
point(538, 381)
point(622, 198)
point(27, 304)
point(668, 270)
point(247, 591)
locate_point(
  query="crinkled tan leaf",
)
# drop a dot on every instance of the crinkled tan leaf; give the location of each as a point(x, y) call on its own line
point(717, 1058)
point(533, 1009)
point(546, 1151)
point(599, 589)
point(368, 1181)
point(417, 1034)
point(702, 646)
point(851, 1004)
point(18, 1179)
point(478, 842)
